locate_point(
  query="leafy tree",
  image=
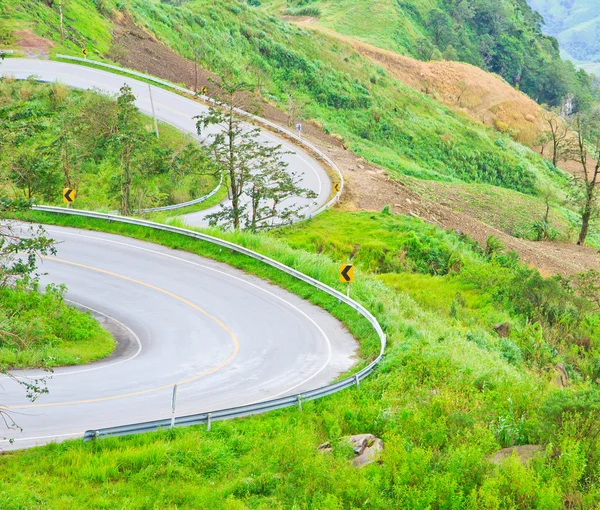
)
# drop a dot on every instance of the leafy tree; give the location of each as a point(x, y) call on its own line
point(126, 141)
point(257, 177)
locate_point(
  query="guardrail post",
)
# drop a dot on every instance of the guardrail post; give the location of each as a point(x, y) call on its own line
point(300, 402)
point(173, 405)
point(357, 381)
point(208, 421)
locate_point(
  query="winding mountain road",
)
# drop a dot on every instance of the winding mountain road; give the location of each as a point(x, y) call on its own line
point(224, 337)
point(178, 111)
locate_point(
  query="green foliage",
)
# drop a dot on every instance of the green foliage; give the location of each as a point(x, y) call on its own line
point(38, 329)
point(53, 137)
point(503, 36)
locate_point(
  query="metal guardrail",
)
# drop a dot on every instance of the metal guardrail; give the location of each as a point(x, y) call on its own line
point(174, 207)
point(240, 112)
point(196, 201)
point(246, 410)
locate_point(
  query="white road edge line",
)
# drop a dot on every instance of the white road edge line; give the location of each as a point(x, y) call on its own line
point(329, 348)
point(72, 372)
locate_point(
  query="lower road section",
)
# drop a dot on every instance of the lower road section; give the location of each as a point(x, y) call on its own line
point(224, 337)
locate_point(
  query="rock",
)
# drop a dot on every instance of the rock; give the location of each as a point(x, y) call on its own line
point(562, 377)
point(503, 330)
point(459, 232)
point(366, 447)
point(525, 453)
point(530, 118)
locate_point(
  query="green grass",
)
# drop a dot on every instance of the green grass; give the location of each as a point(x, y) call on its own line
point(43, 331)
point(448, 395)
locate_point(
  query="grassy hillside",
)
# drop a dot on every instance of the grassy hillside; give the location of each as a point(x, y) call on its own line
point(449, 394)
point(379, 118)
point(503, 37)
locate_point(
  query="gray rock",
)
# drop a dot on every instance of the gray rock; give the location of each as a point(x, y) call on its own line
point(366, 447)
point(503, 330)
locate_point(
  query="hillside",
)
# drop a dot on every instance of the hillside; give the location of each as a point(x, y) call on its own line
point(399, 131)
point(576, 25)
point(465, 88)
point(503, 37)
point(460, 233)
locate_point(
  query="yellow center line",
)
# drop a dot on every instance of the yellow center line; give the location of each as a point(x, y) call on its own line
point(151, 390)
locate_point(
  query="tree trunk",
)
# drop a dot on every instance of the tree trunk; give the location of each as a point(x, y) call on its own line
point(235, 196)
point(126, 185)
point(586, 215)
point(585, 227)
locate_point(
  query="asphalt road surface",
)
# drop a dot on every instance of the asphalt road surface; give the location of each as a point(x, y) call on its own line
point(179, 112)
point(224, 337)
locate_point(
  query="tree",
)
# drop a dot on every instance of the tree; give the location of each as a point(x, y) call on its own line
point(587, 152)
point(20, 248)
point(126, 140)
point(258, 179)
point(557, 134)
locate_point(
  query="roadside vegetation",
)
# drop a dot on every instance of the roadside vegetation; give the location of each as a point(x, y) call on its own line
point(41, 330)
point(38, 329)
point(53, 137)
point(450, 393)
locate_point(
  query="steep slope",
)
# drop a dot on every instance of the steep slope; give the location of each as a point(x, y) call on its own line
point(503, 37)
point(483, 96)
point(399, 138)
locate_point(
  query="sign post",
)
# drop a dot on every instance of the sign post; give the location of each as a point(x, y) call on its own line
point(153, 112)
point(347, 275)
point(69, 196)
point(84, 52)
point(173, 405)
point(336, 187)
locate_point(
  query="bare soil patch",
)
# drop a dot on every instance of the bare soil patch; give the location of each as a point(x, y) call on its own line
point(33, 45)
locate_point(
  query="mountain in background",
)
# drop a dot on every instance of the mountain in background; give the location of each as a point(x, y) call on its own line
point(576, 25)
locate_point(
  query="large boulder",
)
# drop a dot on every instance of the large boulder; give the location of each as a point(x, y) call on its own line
point(503, 330)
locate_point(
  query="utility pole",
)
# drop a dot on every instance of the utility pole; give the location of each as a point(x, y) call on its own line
point(195, 71)
point(153, 112)
point(62, 29)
